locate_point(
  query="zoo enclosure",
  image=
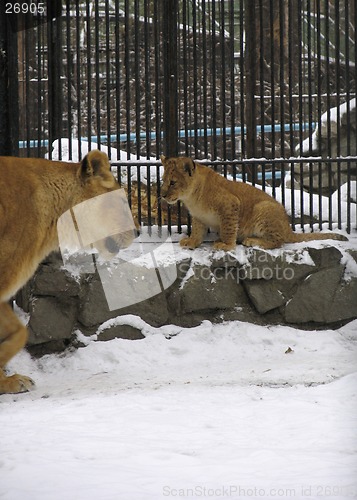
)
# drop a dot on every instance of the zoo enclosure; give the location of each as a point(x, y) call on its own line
point(250, 87)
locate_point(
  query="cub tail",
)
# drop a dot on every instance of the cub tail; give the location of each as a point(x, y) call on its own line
point(317, 236)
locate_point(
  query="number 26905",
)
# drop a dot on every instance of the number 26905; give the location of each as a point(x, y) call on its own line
point(25, 8)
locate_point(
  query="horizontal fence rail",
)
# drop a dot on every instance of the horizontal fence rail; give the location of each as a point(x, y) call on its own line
point(280, 177)
point(134, 137)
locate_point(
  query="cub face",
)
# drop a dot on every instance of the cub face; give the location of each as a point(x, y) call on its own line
point(177, 178)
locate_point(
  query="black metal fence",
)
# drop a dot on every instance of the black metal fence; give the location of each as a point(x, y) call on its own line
point(262, 90)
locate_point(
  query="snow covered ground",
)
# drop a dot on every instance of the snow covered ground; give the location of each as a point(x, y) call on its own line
point(217, 411)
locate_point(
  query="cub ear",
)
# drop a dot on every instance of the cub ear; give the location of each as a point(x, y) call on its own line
point(189, 166)
point(163, 159)
point(94, 163)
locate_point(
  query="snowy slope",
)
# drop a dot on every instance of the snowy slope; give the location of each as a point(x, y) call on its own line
point(217, 411)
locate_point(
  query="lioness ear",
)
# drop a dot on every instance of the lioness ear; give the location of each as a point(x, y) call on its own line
point(189, 166)
point(163, 159)
point(94, 163)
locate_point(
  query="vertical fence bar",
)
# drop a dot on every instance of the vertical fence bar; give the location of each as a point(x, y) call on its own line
point(223, 72)
point(89, 71)
point(282, 76)
point(250, 72)
point(108, 84)
point(242, 82)
point(355, 108)
point(184, 40)
point(137, 78)
point(69, 83)
point(170, 71)
point(232, 14)
point(158, 87)
point(338, 103)
point(272, 82)
point(309, 105)
point(158, 90)
point(97, 72)
point(261, 85)
point(28, 44)
point(318, 105)
point(213, 69)
point(118, 73)
point(328, 103)
point(55, 91)
point(194, 77)
point(204, 76)
point(148, 110)
point(128, 106)
point(282, 94)
point(9, 131)
point(40, 87)
point(348, 112)
point(291, 49)
point(79, 24)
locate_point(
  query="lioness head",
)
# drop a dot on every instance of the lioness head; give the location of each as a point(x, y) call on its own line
point(177, 178)
point(105, 211)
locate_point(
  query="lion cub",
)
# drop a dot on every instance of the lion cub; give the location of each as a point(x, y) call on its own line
point(239, 212)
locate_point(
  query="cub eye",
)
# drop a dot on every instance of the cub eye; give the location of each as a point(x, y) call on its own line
point(172, 183)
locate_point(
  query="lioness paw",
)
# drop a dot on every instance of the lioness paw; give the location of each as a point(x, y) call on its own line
point(189, 243)
point(15, 384)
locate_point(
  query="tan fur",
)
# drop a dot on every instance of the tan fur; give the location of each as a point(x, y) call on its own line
point(239, 212)
point(34, 193)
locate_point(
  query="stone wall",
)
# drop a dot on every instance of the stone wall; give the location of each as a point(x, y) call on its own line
point(308, 288)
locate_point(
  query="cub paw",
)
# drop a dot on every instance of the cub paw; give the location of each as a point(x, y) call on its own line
point(189, 243)
point(15, 384)
point(219, 245)
point(250, 242)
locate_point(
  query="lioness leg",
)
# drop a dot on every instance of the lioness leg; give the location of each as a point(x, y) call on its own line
point(13, 337)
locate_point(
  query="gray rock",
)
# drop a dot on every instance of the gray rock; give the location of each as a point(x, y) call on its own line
point(51, 320)
point(211, 289)
point(314, 299)
point(127, 332)
point(54, 282)
point(325, 257)
point(94, 309)
point(266, 295)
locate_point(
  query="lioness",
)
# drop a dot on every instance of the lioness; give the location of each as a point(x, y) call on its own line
point(34, 193)
point(240, 212)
